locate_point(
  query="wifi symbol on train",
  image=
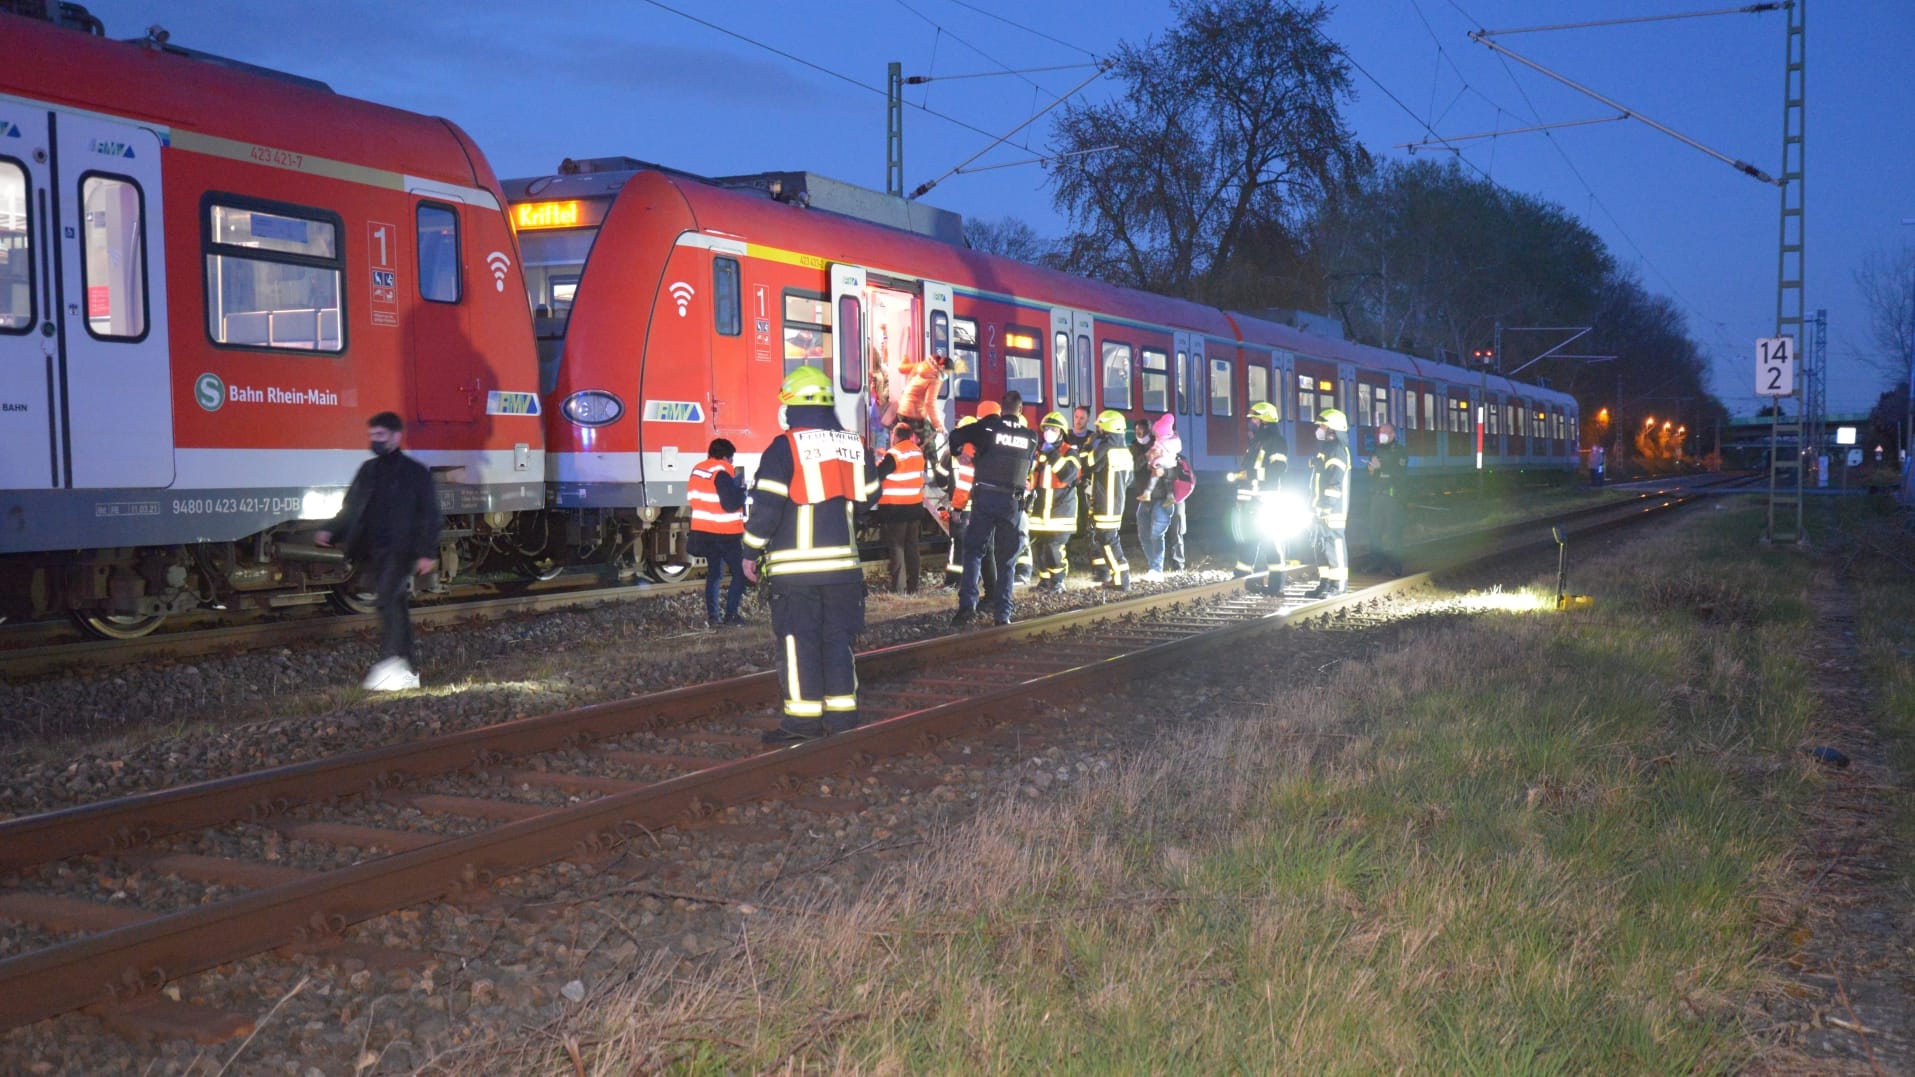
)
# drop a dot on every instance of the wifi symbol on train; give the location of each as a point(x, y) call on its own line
point(499, 263)
point(681, 292)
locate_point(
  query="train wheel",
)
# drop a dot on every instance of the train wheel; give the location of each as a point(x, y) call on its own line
point(353, 597)
point(118, 625)
point(666, 572)
point(543, 568)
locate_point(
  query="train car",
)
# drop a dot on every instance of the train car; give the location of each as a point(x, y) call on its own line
point(670, 308)
point(210, 276)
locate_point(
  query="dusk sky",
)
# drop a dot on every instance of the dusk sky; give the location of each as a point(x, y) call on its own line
point(538, 83)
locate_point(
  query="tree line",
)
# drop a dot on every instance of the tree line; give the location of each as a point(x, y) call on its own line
point(1231, 178)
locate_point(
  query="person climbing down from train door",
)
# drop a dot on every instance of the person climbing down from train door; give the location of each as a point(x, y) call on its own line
point(389, 526)
point(1053, 512)
point(920, 406)
point(901, 506)
point(1259, 477)
point(1330, 501)
point(717, 501)
point(1389, 478)
point(1004, 448)
point(801, 536)
point(1157, 498)
point(1109, 487)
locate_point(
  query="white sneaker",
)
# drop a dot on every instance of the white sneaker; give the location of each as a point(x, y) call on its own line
point(1153, 576)
point(390, 675)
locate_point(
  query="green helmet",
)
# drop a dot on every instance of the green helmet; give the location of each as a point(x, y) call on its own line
point(1056, 418)
point(1335, 420)
point(1112, 422)
point(806, 385)
point(1264, 412)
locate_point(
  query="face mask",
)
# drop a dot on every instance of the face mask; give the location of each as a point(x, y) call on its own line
point(1384, 439)
point(782, 423)
point(383, 448)
point(1051, 434)
point(1323, 433)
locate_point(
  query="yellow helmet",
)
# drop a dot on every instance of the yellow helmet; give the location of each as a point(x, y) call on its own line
point(1335, 420)
point(806, 385)
point(967, 420)
point(1056, 418)
point(1112, 422)
point(1264, 412)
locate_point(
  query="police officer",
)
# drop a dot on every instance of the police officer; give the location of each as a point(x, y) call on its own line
point(1389, 477)
point(1004, 448)
point(901, 506)
point(1109, 489)
point(1330, 501)
point(1053, 512)
point(718, 527)
point(801, 529)
point(1258, 477)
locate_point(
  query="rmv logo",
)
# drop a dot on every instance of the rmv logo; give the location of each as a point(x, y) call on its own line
point(111, 149)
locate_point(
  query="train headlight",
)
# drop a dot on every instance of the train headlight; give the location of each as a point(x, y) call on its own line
point(592, 407)
point(1282, 516)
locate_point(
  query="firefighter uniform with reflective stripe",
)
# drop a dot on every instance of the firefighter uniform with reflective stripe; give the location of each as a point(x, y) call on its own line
point(1053, 512)
point(802, 533)
point(717, 524)
point(1259, 477)
point(962, 475)
point(1109, 470)
point(1330, 500)
point(900, 507)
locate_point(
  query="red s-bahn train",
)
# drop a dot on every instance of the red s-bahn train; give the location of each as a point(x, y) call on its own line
point(210, 275)
point(670, 307)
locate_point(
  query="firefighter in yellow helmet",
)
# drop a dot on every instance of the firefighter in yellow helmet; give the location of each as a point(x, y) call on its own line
point(1109, 470)
point(1258, 477)
point(810, 481)
point(1330, 501)
point(1053, 512)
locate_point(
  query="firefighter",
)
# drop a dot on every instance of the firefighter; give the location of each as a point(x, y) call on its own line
point(1053, 512)
point(1258, 477)
point(1004, 450)
point(1330, 501)
point(901, 505)
point(801, 529)
point(718, 528)
point(1108, 486)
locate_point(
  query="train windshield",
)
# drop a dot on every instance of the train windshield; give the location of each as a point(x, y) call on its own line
point(554, 262)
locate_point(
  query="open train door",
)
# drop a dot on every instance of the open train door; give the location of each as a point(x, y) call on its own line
point(937, 341)
point(851, 346)
point(115, 373)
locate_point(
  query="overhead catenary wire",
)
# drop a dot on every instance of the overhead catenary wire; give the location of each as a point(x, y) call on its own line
point(1026, 29)
point(926, 186)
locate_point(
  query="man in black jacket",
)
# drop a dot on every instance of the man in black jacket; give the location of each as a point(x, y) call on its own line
point(1005, 449)
point(390, 528)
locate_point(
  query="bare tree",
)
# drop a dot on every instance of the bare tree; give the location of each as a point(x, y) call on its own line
point(1229, 129)
point(1009, 237)
point(1887, 282)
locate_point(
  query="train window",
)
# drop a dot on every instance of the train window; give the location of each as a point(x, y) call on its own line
point(1117, 375)
point(1306, 396)
point(1023, 365)
point(438, 253)
point(1380, 407)
point(114, 269)
point(1061, 368)
point(940, 333)
point(273, 276)
point(1080, 372)
point(964, 358)
point(1363, 401)
point(850, 327)
point(807, 330)
point(1257, 384)
point(1220, 388)
point(1183, 389)
point(726, 307)
point(16, 251)
point(1429, 412)
point(1156, 380)
point(1494, 412)
point(1537, 427)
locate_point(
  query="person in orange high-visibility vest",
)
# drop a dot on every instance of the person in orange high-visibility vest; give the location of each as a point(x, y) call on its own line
point(718, 530)
point(801, 533)
point(901, 506)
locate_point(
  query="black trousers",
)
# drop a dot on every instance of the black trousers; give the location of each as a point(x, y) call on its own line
point(993, 532)
point(816, 625)
point(903, 540)
point(1386, 522)
point(393, 575)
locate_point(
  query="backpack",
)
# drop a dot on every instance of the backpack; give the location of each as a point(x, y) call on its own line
point(1183, 478)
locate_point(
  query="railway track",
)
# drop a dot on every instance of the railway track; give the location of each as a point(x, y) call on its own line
point(445, 818)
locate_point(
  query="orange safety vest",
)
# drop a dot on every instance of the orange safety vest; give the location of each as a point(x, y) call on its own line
point(963, 474)
point(905, 484)
point(825, 464)
point(708, 514)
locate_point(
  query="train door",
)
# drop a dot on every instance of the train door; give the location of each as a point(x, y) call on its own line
point(851, 347)
point(30, 457)
point(937, 341)
point(1071, 384)
point(115, 376)
point(445, 363)
point(1187, 387)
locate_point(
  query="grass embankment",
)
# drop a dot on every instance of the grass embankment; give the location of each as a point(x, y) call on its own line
point(1526, 843)
point(1879, 558)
